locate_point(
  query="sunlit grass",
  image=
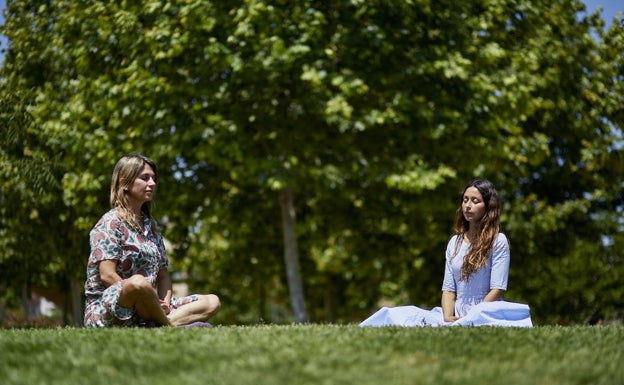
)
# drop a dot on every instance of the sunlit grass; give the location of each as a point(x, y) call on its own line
point(313, 354)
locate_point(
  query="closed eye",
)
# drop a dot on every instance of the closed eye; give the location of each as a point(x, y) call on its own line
point(147, 177)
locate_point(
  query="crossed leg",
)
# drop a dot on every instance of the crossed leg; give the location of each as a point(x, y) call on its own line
point(139, 294)
point(205, 307)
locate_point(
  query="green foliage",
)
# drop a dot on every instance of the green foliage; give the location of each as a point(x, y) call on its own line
point(374, 114)
point(312, 355)
point(28, 185)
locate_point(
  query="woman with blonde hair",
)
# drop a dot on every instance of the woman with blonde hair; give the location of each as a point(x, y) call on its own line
point(128, 282)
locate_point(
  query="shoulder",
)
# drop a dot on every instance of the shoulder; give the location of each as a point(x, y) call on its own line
point(453, 245)
point(453, 240)
point(501, 239)
point(501, 244)
point(113, 216)
point(110, 221)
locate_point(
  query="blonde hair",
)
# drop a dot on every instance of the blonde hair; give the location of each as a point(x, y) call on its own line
point(487, 231)
point(127, 169)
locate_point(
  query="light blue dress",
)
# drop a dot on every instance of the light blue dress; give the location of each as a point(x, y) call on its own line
point(469, 305)
point(493, 275)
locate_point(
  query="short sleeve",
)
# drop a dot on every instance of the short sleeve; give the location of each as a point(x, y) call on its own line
point(105, 239)
point(500, 263)
point(449, 283)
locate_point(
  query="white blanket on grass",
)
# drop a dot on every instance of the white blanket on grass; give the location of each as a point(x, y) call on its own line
point(498, 313)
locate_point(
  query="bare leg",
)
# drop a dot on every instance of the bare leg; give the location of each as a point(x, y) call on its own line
point(202, 309)
point(138, 293)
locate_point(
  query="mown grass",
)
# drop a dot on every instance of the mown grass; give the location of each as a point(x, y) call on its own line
point(313, 354)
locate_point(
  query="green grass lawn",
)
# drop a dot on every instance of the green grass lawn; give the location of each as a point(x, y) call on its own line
point(313, 354)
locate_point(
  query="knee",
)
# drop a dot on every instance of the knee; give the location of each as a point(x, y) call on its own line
point(213, 303)
point(136, 283)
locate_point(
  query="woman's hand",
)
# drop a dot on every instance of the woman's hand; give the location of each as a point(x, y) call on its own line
point(451, 318)
point(165, 306)
point(163, 282)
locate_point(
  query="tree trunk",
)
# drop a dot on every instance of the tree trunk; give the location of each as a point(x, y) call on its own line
point(261, 301)
point(77, 301)
point(330, 303)
point(291, 257)
point(26, 304)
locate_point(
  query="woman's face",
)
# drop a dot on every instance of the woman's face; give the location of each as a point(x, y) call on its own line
point(144, 186)
point(473, 206)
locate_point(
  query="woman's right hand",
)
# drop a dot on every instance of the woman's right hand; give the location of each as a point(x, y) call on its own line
point(450, 318)
point(165, 306)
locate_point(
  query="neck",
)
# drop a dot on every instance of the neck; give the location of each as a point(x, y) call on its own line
point(471, 235)
point(137, 214)
point(135, 208)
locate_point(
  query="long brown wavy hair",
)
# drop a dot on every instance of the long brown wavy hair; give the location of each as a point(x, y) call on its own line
point(127, 169)
point(488, 227)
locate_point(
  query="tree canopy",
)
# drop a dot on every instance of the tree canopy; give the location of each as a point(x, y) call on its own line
point(312, 152)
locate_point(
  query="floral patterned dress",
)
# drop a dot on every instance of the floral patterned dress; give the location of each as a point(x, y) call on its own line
point(136, 253)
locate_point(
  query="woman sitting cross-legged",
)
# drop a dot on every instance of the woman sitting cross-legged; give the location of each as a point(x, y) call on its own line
point(476, 271)
point(128, 283)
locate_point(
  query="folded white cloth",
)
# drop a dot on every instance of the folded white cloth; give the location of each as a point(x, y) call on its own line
point(497, 313)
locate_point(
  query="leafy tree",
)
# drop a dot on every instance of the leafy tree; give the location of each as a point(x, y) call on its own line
point(337, 135)
point(31, 257)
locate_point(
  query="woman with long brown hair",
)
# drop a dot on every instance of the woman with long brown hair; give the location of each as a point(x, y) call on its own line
point(477, 256)
point(476, 271)
point(128, 282)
